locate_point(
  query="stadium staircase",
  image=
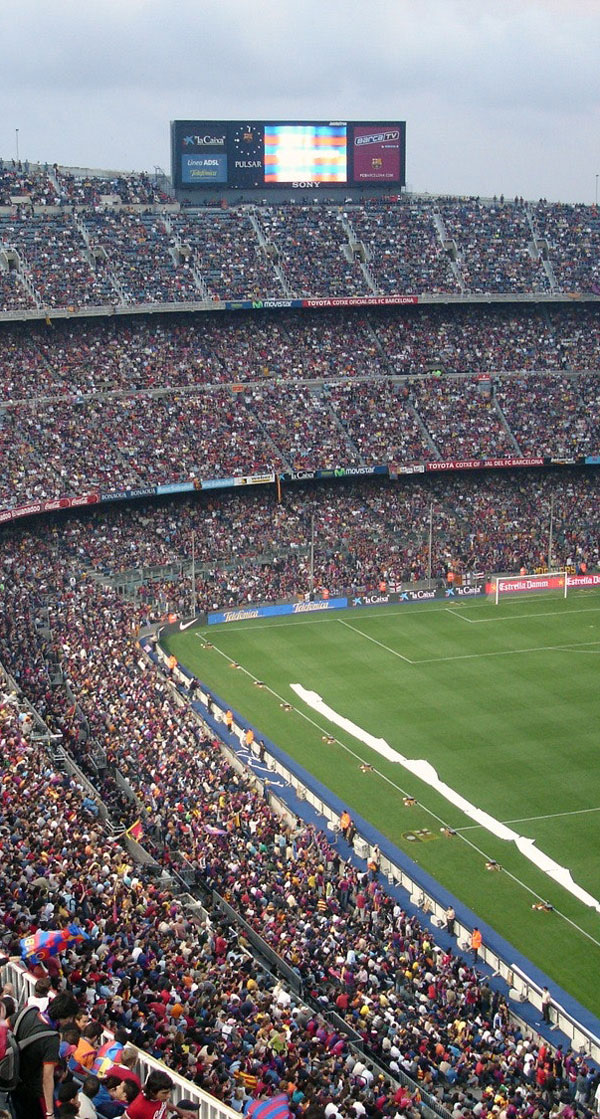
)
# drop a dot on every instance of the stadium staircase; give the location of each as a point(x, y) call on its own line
point(277, 452)
point(97, 254)
point(270, 250)
point(412, 408)
point(10, 264)
point(23, 271)
point(375, 340)
point(52, 176)
point(183, 254)
point(504, 422)
point(356, 252)
point(450, 248)
point(540, 250)
point(317, 391)
point(320, 391)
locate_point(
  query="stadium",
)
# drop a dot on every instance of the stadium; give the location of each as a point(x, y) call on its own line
point(300, 561)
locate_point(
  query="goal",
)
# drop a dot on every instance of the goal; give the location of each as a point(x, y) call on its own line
point(530, 584)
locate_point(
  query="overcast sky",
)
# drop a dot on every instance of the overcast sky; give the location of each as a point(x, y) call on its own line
point(499, 96)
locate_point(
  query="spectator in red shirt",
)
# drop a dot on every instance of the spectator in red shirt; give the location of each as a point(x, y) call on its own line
point(153, 1100)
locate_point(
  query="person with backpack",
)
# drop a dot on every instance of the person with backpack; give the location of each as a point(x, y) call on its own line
point(6, 1008)
point(35, 1041)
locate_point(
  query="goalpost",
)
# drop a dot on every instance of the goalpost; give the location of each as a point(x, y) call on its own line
point(523, 584)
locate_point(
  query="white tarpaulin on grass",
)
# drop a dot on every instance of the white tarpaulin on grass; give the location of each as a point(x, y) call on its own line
point(426, 772)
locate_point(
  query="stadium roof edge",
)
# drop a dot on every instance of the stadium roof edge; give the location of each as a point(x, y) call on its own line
point(39, 167)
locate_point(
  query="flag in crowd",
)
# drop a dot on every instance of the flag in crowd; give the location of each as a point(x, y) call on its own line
point(277, 1107)
point(136, 831)
point(49, 942)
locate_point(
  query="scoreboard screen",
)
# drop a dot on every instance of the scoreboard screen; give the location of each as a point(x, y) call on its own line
point(263, 154)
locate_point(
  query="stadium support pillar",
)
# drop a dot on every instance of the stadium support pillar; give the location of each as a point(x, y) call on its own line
point(311, 585)
point(551, 533)
point(429, 554)
point(193, 574)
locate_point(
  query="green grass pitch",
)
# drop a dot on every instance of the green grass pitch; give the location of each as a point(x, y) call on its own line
point(504, 701)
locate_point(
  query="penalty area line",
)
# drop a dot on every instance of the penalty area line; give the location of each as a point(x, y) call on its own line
point(366, 636)
point(532, 614)
point(471, 621)
point(576, 646)
point(532, 819)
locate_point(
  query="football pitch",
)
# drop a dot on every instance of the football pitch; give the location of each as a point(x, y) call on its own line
point(502, 701)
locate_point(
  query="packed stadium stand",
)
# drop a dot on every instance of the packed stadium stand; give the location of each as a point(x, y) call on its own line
point(62, 230)
point(110, 408)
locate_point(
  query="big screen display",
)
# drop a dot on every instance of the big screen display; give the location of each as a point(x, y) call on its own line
point(308, 154)
point(314, 153)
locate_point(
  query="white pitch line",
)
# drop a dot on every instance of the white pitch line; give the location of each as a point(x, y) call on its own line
point(320, 616)
point(297, 711)
point(388, 612)
point(534, 614)
point(375, 641)
point(532, 819)
point(506, 652)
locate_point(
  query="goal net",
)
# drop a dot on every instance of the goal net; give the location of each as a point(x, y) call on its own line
point(557, 581)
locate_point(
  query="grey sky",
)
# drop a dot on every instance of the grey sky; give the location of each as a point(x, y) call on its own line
point(498, 96)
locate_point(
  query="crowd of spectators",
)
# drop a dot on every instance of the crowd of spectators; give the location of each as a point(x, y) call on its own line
point(85, 409)
point(140, 256)
point(461, 420)
point(310, 243)
point(14, 295)
point(127, 442)
point(302, 427)
point(38, 185)
point(572, 236)
point(380, 419)
point(227, 254)
point(249, 545)
point(18, 181)
point(171, 351)
point(107, 355)
point(404, 249)
point(495, 246)
point(412, 246)
point(90, 190)
point(156, 252)
point(500, 339)
point(188, 990)
point(573, 422)
point(56, 260)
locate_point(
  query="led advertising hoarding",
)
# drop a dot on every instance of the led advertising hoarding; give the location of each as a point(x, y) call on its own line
point(307, 154)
